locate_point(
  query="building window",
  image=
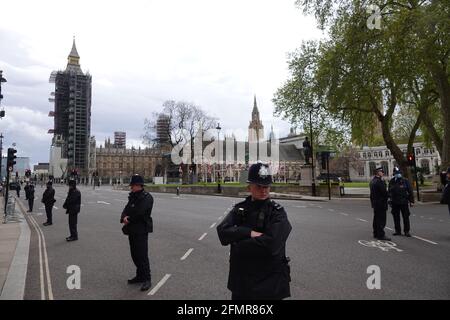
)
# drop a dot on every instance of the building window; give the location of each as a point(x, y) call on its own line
point(372, 167)
point(361, 171)
point(417, 151)
point(385, 166)
point(425, 165)
point(425, 151)
point(387, 153)
point(369, 155)
point(432, 150)
point(364, 155)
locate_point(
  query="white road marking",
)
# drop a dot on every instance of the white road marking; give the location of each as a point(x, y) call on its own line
point(187, 254)
point(103, 202)
point(219, 217)
point(319, 207)
point(424, 240)
point(120, 200)
point(300, 206)
point(441, 220)
point(56, 208)
point(343, 213)
point(159, 285)
point(421, 217)
point(213, 225)
point(361, 220)
point(389, 229)
point(330, 209)
point(203, 235)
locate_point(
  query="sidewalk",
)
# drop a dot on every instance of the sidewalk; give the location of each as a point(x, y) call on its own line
point(14, 248)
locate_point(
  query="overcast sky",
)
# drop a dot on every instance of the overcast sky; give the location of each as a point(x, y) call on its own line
point(214, 53)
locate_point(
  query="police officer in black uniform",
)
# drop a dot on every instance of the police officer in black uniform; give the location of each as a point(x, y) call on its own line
point(73, 206)
point(48, 199)
point(379, 200)
point(445, 199)
point(29, 195)
point(401, 195)
point(138, 223)
point(257, 230)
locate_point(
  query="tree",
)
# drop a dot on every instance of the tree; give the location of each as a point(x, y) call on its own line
point(183, 122)
point(423, 26)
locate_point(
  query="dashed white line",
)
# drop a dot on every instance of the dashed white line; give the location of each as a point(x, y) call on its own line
point(159, 285)
point(103, 202)
point(203, 235)
point(343, 213)
point(330, 209)
point(389, 229)
point(213, 225)
point(219, 217)
point(120, 200)
point(56, 208)
point(361, 219)
point(429, 241)
point(187, 254)
point(319, 207)
point(300, 206)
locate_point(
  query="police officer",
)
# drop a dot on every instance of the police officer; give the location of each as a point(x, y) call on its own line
point(138, 223)
point(401, 195)
point(379, 200)
point(446, 191)
point(72, 206)
point(18, 189)
point(257, 230)
point(48, 199)
point(29, 195)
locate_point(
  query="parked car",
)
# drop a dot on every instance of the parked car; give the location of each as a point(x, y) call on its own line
point(323, 177)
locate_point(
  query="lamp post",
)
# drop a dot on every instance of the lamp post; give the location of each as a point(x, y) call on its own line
point(1, 155)
point(218, 156)
point(132, 155)
point(312, 154)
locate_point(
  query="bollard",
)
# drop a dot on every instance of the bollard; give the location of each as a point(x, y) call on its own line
point(178, 191)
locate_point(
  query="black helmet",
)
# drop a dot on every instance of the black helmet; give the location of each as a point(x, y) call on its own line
point(72, 183)
point(137, 179)
point(396, 170)
point(260, 173)
point(49, 183)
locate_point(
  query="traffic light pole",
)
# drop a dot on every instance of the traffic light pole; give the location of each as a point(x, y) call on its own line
point(7, 191)
point(328, 175)
point(415, 174)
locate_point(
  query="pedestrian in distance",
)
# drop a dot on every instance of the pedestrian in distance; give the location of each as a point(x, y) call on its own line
point(72, 206)
point(48, 199)
point(18, 189)
point(446, 191)
point(401, 197)
point(257, 230)
point(379, 201)
point(137, 224)
point(29, 195)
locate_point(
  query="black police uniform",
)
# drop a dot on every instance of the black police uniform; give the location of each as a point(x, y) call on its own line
point(138, 210)
point(29, 195)
point(445, 199)
point(259, 268)
point(379, 200)
point(401, 194)
point(73, 206)
point(48, 199)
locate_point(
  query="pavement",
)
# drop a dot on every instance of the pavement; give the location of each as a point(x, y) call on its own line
point(330, 246)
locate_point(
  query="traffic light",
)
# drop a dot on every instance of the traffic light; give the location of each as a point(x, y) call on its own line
point(27, 173)
point(11, 157)
point(411, 160)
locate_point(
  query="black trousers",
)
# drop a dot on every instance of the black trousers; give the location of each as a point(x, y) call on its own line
point(404, 210)
point(48, 211)
point(139, 254)
point(73, 219)
point(30, 204)
point(379, 222)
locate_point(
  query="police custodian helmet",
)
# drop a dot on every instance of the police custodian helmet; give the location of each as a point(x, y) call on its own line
point(259, 173)
point(72, 183)
point(137, 179)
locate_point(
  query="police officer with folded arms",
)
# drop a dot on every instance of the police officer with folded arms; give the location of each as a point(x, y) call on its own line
point(401, 196)
point(137, 224)
point(445, 199)
point(379, 200)
point(48, 199)
point(257, 230)
point(73, 206)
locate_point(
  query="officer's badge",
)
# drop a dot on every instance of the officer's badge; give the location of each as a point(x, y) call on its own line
point(264, 172)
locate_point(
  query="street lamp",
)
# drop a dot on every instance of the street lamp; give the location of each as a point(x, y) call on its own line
point(132, 155)
point(218, 156)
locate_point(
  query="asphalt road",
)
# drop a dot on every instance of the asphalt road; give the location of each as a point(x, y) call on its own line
point(187, 261)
